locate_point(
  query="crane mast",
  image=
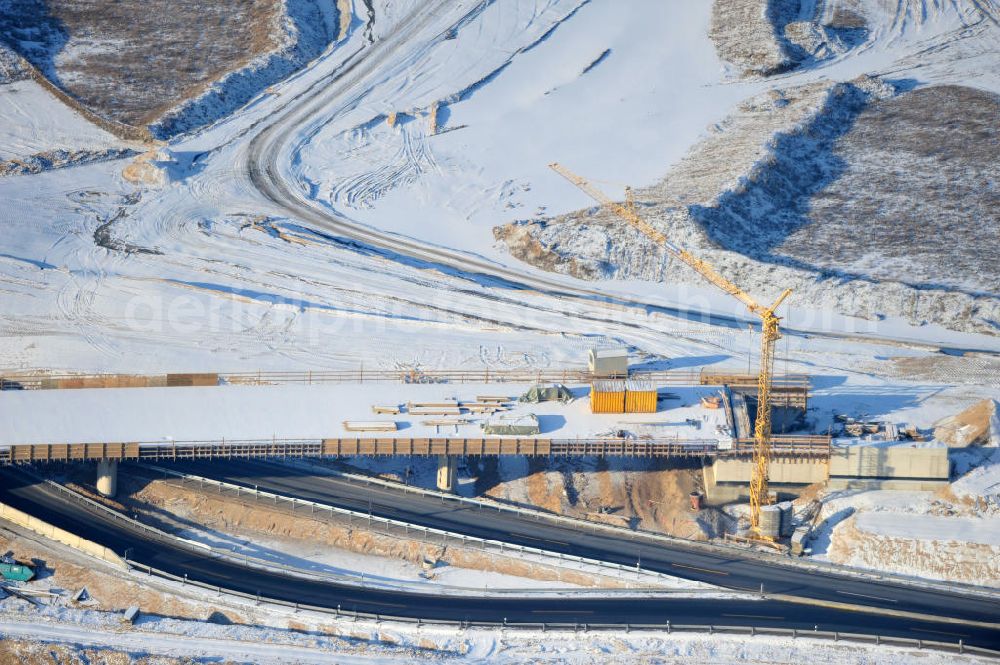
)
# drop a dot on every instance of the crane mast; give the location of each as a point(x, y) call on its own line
point(770, 333)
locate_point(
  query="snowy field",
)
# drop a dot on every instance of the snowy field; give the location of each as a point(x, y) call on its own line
point(203, 273)
point(315, 412)
point(26, 130)
point(186, 639)
point(352, 215)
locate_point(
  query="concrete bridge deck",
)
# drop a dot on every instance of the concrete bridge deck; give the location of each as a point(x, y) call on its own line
point(306, 414)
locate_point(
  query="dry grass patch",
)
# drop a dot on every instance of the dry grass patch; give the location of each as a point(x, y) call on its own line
point(24, 652)
point(302, 531)
point(133, 61)
point(109, 589)
point(744, 35)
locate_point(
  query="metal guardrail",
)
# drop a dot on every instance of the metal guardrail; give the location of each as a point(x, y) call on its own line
point(726, 549)
point(950, 647)
point(667, 627)
point(424, 534)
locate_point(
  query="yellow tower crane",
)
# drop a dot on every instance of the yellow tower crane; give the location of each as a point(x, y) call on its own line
point(770, 333)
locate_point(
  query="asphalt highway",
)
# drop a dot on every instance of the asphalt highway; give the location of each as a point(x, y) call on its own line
point(730, 569)
point(24, 493)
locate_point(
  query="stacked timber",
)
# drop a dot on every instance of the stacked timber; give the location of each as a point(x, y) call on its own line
point(206, 379)
point(369, 426)
point(494, 399)
point(414, 410)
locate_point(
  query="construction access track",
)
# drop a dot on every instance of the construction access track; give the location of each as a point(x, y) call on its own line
point(274, 141)
point(972, 620)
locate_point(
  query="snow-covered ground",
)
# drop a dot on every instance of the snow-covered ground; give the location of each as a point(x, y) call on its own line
point(314, 412)
point(385, 643)
point(201, 273)
point(196, 269)
point(34, 121)
point(921, 527)
point(601, 92)
point(951, 534)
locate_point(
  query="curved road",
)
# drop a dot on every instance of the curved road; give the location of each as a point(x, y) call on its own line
point(24, 493)
point(728, 569)
point(276, 139)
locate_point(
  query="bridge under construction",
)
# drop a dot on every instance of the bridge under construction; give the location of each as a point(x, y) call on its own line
point(112, 418)
point(785, 446)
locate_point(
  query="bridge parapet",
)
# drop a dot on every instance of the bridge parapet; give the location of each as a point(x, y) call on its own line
point(783, 446)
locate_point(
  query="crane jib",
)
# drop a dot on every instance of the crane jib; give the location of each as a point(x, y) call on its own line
point(769, 334)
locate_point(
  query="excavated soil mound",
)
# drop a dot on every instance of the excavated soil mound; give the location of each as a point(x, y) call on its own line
point(970, 427)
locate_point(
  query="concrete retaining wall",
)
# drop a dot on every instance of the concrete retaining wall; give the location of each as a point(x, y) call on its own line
point(728, 479)
point(890, 463)
point(42, 528)
point(868, 484)
point(860, 467)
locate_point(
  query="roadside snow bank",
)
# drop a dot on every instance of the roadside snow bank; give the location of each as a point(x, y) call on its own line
point(985, 531)
point(909, 547)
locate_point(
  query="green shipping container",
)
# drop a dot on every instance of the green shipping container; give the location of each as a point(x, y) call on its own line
point(16, 571)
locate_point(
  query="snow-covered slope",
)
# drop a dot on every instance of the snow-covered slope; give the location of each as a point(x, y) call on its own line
point(203, 272)
point(34, 121)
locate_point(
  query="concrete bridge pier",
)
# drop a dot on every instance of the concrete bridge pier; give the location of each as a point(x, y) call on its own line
point(107, 477)
point(447, 471)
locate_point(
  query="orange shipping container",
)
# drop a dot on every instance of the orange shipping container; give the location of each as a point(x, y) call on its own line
point(607, 397)
point(640, 397)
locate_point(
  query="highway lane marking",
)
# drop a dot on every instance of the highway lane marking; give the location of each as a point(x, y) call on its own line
point(754, 616)
point(862, 595)
point(545, 540)
point(388, 605)
point(939, 632)
point(884, 611)
point(704, 570)
point(571, 612)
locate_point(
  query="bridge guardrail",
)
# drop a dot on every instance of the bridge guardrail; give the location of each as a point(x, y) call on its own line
point(781, 446)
